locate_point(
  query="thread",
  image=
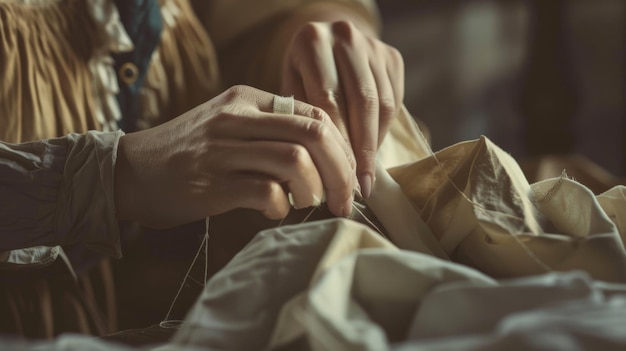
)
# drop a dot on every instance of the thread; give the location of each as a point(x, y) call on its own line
point(167, 323)
point(177, 323)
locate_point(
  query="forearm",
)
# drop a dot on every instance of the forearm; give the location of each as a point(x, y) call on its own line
point(58, 192)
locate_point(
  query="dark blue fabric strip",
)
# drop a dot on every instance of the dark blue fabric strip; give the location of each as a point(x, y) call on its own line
point(142, 21)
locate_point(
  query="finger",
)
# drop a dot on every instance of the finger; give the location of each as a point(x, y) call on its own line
point(361, 91)
point(395, 74)
point(320, 115)
point(264, 101)
point(387, 96)
point(325, 150)
point(256, 192)
point(395, 71)
point(317, 70)
point(292, 84)
point(289, 163)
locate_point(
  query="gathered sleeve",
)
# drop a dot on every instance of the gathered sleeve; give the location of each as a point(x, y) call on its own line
point(57, 192)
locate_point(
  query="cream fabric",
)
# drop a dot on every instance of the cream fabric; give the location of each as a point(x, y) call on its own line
point(404, 143)
point(478, 204)
point(336, 285)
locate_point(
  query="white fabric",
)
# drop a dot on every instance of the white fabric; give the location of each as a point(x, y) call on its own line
point(469, 203)
point(115, 39)
point(366, 295)
point(283, 104)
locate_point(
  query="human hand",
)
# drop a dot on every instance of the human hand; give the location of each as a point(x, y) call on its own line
point(356, 78)
point(233, 152)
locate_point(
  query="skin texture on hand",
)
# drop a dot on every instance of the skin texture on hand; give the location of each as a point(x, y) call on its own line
point(328, 54)
point(332, 58)
point(233, 152)
point(354, 77)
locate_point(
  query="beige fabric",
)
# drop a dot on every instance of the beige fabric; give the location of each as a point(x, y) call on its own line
point(336, 285)
point(483, 212)
point(404, 143)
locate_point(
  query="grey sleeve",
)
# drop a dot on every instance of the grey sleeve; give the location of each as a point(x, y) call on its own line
point(57, 192)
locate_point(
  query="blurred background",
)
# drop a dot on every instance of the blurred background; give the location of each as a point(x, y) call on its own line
point(537, 77)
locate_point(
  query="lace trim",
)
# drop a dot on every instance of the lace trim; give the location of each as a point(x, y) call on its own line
point(114, 39)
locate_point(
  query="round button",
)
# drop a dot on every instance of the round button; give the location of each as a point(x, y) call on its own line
point(128, 73)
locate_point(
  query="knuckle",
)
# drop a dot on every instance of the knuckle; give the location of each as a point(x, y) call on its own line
point(232, 93)
point(296, 155)
point(368, 98)
point(319, 115)
point(367, 155)
point(316, 131)
point(268, 190)
point(328, 99)
point(344, 182)
point(310, 32)
point(223, 120)
point(238, 90)
point(237, 93)
point(270, 200)
point(343, 29)
point(396, 58)
point(387, 108)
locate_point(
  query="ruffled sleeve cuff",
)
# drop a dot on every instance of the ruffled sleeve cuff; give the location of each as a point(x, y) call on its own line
point(57, 192)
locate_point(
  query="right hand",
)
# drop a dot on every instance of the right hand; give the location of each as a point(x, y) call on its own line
point(233, 152)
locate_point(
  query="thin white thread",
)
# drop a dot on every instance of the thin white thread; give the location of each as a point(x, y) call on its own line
point(370, 222)
point(356, 208)
point(304, 220)
point(175, 323)
point(166, 323)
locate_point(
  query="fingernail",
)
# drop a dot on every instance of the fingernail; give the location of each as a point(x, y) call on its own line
point(366, 182)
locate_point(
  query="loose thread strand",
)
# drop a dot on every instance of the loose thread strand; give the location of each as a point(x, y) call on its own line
point(166, 322)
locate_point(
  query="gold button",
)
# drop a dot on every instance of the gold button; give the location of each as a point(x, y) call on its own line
point(128, 73)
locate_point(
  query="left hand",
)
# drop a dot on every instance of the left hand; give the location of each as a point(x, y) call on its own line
point(353, 76)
